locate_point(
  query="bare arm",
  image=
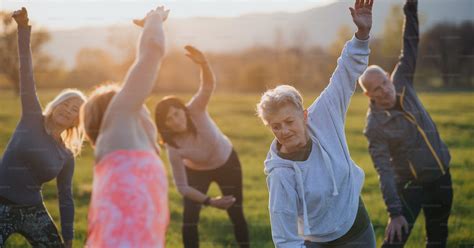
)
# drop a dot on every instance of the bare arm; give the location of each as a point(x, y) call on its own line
point(122, 126)
point(141, 76)
point(208, 80)
point(350, 65)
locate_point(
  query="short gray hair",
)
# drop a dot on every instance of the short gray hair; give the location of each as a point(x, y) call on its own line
point(274, 98)
point(370, 70)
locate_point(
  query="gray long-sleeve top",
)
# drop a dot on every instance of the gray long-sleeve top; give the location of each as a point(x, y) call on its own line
point(33, 157)
point(207, 150)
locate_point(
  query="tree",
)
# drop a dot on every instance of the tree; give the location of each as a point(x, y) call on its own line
point(93, 66)
point(392, 37)
point(9, 62)
point(446, 49)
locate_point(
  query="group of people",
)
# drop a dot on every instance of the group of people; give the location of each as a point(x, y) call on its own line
point(314, 185)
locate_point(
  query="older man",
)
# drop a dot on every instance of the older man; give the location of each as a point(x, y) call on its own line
point(406, 148)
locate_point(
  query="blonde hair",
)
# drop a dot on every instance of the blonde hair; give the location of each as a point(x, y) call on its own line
point(370, 70)
point(73, 136)
point(273, 99)
point(92, 112)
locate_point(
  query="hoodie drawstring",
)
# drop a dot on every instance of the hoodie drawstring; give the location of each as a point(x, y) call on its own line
point(299, 179)
point(300, 183)
point(331, 171)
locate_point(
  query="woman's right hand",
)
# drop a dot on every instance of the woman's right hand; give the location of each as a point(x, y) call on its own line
point(222, 202)
point(195, 55)
point(21, 17)
point(362, 18)
point(159, 12)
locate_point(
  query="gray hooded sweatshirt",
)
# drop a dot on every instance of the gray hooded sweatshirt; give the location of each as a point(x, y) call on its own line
point(318, 199)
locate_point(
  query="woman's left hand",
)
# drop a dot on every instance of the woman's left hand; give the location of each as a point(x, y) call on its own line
point(21, 17)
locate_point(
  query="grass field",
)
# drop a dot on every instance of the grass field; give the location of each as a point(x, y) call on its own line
point(453, 113)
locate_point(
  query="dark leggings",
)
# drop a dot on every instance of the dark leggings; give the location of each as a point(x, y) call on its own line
point(435, 198)
point(229, 179)
point(33, 222)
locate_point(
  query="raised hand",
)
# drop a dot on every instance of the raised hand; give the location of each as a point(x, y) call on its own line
point(21, 17)
point(362, 17)
point(195, 55)
point(159, 13)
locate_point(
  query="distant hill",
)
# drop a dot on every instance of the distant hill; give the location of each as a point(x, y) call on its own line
point(317, 26)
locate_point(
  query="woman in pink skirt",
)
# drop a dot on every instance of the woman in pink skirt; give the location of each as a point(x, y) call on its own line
point(129, 205)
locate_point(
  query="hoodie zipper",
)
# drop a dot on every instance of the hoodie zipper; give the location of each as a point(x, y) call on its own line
point(412, 119)
point(412, 168)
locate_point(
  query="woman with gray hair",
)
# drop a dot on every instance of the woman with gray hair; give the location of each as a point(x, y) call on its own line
point(313, 183)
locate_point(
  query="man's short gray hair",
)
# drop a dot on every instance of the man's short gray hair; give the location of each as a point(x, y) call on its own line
point(273, 99)
point(370, 70)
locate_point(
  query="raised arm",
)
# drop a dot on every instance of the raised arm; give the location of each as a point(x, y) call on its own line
point(351, 64)
point(208, 80)
point(405, 69)
point(141, 76)
point(66, 202)
point(29, 100)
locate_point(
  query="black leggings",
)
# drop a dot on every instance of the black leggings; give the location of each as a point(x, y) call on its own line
point(435, 198)
point(229, 179)
point(33, 222)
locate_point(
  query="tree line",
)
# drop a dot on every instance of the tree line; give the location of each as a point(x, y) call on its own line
point(445, 61)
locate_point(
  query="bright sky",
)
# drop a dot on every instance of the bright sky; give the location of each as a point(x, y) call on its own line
point(74, 13)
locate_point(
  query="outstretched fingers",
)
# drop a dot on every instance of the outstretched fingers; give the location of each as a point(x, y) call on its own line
point(352, 11)
point(363, 4)
point(138, 22)
point(191, 49)
point(370, 3)
point(160, 10)
point(190, 52)
point(163, 13)
point(20, 12)
point(357, 4)
point(195, 54)
point(21, 17)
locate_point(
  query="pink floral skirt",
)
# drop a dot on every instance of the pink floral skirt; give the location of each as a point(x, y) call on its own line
point(129, 203)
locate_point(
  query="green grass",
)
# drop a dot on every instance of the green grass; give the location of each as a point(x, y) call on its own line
point(453, 113)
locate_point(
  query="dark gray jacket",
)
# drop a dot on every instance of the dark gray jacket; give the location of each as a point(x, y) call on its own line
point(403, 142)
